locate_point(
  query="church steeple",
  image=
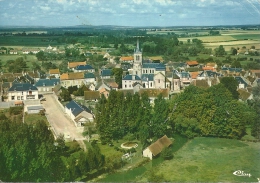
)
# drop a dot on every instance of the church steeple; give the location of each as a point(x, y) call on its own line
point(138, 59)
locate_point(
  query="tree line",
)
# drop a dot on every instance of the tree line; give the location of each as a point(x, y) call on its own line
point(214, 112)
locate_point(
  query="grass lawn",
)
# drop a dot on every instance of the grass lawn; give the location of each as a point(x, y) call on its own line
point(33, 118)
point(212, 160)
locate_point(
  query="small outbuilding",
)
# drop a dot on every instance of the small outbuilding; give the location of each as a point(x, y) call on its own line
point(156, 148)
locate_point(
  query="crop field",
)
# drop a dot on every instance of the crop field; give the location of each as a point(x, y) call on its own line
point(210, 39)
point(228, 45)
point(212, 160)
point(27, 41)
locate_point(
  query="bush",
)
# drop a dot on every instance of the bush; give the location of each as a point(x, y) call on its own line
point(167, 153)
point(16, 110)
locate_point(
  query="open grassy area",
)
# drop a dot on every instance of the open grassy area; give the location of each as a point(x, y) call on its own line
point(212, 160)
point(33, 118)
point(135, 172)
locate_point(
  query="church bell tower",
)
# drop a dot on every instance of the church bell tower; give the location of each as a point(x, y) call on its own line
point(138, 59)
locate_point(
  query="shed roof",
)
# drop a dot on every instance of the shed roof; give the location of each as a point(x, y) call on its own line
point(158, 146)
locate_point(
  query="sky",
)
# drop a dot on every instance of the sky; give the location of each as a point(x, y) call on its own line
point(129, 12)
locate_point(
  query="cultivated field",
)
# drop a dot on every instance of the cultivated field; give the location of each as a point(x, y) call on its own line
point(212, 160)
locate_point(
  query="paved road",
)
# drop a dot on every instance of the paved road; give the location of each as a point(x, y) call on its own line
point(59, 121)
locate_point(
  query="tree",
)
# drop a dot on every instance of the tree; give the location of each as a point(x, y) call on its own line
point(231, 84)
point(40, 56)
point(118, 72)
point(65, 95)
point(167, 153)
point(220, 51)
point(236, 64)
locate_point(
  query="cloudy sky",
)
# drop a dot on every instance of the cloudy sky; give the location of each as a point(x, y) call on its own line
point(128, 12)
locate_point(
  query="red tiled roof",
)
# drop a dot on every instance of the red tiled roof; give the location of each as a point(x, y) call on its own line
point(130, 58)
point(193, 62)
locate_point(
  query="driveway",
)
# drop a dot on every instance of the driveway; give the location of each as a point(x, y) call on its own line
point(59, 121)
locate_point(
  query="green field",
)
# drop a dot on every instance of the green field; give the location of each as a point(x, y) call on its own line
point(28, 41)
point(212, 160)
point(247, 36)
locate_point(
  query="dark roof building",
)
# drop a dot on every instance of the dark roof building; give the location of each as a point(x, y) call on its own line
point(22, 87)
point(47, 82)
point(106, 73)
point(84, 67)
point(76, 108)
point(130, 77)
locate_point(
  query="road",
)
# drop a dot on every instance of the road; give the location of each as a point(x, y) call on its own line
point(59, 121)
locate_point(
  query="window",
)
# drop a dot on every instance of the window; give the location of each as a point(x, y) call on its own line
point(146, 70)
point(18, 97)
point(125, 86)
point(151, 84)
point(150, 71)
point(158, 80)
point(21, 97)
point(12, 97)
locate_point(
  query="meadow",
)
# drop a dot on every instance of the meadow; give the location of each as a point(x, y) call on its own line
point(212, 160)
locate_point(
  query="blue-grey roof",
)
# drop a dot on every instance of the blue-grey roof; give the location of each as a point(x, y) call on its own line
point(22, 87)
point(76, 108)
point(184, 75)
point(147, 76)
point(106, 72)
point(240, 80)
point(231, 69)
point(37, 107)
point(47, 82)
point(157, 66)
point(129, 77)
point(89, 75)
point(208, 74)
point(84, 67)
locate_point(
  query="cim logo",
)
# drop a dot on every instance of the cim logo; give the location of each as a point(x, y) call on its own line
point(241, 173)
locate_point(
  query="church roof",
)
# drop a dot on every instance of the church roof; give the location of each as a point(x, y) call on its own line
point(157, 66)
point(147, 76)
point(129, 77)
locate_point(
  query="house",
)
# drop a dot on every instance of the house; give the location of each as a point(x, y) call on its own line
point(54, 72)
point(127, 59)
point(202, 83)
point(241, 82)
point(89, 78)
point(129, 80)
point(13, 52)
point(91, 95)
point(72, 79)
point(244, 95)
point(46, 85)
point(22, 91)
point(84, 68)
point(104, 91)
point(156, 148)
point(160, 81)
point(147, 80)
point(79, 114)
point(106, 73)
point(72, 65)
point(91, 86)
point(113, 85)
point(185, 78)
point(192, 63)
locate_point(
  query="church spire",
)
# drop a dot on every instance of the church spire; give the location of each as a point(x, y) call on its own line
point(137, 45)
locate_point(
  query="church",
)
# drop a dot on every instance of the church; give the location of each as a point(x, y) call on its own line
point(145, 75)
